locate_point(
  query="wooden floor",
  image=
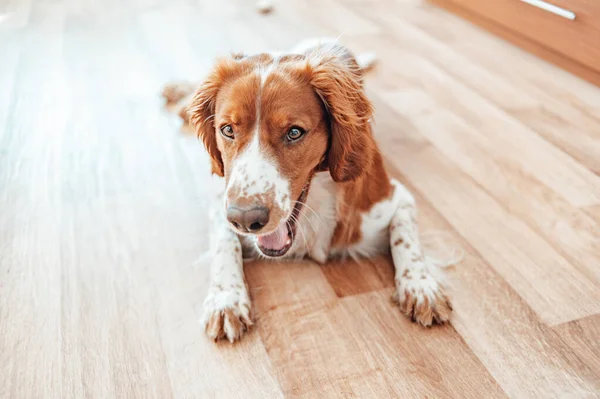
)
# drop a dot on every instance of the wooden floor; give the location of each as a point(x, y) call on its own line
point(103, 217)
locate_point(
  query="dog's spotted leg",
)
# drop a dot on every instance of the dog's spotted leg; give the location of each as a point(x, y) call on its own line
point(419, 289)
point(227, 312)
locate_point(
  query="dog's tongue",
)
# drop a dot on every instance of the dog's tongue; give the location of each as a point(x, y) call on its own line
point(276, 240)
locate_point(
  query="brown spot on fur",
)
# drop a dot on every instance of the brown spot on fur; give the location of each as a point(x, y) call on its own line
point(399, 241)
point(237, 250)
point(405, 273)
point(407, 245)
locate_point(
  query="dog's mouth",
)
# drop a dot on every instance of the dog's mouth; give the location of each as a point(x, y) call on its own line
point(279, 242)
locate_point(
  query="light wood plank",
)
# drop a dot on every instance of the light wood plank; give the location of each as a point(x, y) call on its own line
point(390, 355)
point(523, 355)
point(582, 337)
point(349, 277)
point(30, 259)
point(594, 212)
point(345, 23)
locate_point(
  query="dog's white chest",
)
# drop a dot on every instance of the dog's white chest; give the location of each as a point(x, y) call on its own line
point(317, 221)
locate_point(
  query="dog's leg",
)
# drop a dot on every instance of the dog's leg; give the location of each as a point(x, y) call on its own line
point(419, 289)
point(227, 312)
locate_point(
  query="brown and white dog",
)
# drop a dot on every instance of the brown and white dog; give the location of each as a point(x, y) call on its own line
point(303, 177)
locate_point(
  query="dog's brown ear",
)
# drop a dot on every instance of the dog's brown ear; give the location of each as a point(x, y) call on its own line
point(338, 81)
point(201, 110)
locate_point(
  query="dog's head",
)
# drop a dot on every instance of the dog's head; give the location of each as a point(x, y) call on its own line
point(269, 123)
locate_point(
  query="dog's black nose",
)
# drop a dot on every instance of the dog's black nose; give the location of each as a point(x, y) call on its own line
point(251, 219)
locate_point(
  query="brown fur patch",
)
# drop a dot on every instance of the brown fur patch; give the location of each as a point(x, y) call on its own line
point(399, 241)
point(423, 313)
point(426, 312)
point(214, 327)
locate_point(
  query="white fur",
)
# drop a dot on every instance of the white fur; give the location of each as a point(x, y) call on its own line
point(316, 222)
point(253, 174)
point(374, 229)
point(366, 60)
point(423, 279)
point(227, 288)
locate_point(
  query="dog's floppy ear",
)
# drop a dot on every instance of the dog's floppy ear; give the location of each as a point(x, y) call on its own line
point(201, 111)
point(338, 81)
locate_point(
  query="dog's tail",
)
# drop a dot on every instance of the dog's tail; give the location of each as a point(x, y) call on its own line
point(366, 61)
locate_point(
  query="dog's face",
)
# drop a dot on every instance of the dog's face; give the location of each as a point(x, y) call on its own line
point(269, 124)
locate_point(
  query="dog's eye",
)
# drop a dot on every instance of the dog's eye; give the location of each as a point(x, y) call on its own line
point(227, 131)
point(294, 134)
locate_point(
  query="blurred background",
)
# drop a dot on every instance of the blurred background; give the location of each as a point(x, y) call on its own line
point(488, 110)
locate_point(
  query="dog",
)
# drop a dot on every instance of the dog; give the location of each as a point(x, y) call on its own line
point(290, 134)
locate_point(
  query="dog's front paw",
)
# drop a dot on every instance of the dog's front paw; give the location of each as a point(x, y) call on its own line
point(227, 314)
point(422, 299)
